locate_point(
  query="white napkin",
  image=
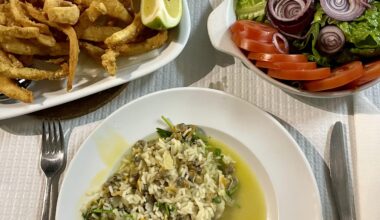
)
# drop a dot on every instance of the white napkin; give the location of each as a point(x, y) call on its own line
point(367, 159)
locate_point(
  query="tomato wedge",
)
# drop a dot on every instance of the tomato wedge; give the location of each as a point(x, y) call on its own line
point(339, 77)
point(254, 30)
point(313, 74)
point(256, 46)
point(371, 72)
point(277, 57)
point(287, 65)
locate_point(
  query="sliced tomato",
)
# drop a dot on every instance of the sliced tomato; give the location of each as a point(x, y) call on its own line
point(277, 57)
point(313, 74)
point(371, 72)
point(253, 30)
point(256, 46)
point(259, 36)
point(287, 65)
point(340, 76)
point(253, 27)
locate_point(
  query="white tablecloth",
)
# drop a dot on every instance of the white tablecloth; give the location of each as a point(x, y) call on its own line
point(308, 120)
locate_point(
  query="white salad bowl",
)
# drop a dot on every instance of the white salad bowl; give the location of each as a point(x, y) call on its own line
point(218, 26)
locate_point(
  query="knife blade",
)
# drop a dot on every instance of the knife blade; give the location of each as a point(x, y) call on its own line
point(340, 171)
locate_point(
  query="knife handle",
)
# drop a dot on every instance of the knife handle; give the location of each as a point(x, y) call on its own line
point(341, 173)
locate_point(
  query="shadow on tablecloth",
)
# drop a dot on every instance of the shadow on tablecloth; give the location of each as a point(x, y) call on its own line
point(343, 105)
point(320, 169)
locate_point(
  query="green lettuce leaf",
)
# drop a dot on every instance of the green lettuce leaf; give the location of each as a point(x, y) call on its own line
point(309, 44)
point(366, 52)
point(251, 9)
point(319, 21)
point(364, 32)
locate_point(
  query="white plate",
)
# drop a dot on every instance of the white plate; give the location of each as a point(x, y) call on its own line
point(91, 77)
point(218, 26)
point(282, 170)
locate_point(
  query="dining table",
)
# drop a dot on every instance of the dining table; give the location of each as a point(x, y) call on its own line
point(308, 120)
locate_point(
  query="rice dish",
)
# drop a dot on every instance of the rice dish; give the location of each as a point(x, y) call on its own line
point(175, 176)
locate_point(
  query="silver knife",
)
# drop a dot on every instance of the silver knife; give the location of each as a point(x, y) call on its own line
point(340, 171)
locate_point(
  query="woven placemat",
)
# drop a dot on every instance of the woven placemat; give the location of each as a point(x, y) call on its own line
point(81, 106)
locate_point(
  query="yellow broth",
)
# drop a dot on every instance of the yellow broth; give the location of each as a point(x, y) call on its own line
point(250, 202)
point(110, 148)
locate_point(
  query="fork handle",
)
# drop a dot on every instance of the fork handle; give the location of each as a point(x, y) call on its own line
point(46, 204)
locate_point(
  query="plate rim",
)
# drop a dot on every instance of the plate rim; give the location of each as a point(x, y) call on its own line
point(18, 109)
point(218, 92)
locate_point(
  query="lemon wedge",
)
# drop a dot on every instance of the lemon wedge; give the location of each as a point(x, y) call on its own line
point(161, 14)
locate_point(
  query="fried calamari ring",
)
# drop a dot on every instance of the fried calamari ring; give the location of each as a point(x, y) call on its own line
point(93, 51)
point(30, 47)
point(19, 32)
point(66, 13)
point(149, 44)
point(19, 15)
point(32, 73)
point(73, 42)
point(73, 55)
point(99, 33)
point(126, 35)
point(10, 88)
point(109, 61)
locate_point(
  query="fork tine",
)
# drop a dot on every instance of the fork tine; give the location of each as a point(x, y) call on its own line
point(55, 137)
point(61, 136)
point(51, 136)
point(44, 138)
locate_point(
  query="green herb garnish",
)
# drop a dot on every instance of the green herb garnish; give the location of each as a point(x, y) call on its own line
point(163, 133)
point(217, 200)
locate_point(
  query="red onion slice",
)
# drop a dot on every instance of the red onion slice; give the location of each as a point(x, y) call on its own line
point(298, 37)
point(276, 38)
point(288, 10)
point(330, 39)
point(344, 10)
point(365, 4)
point(291, 17)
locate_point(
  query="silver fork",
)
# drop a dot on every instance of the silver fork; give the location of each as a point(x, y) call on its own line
point(52, 158)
